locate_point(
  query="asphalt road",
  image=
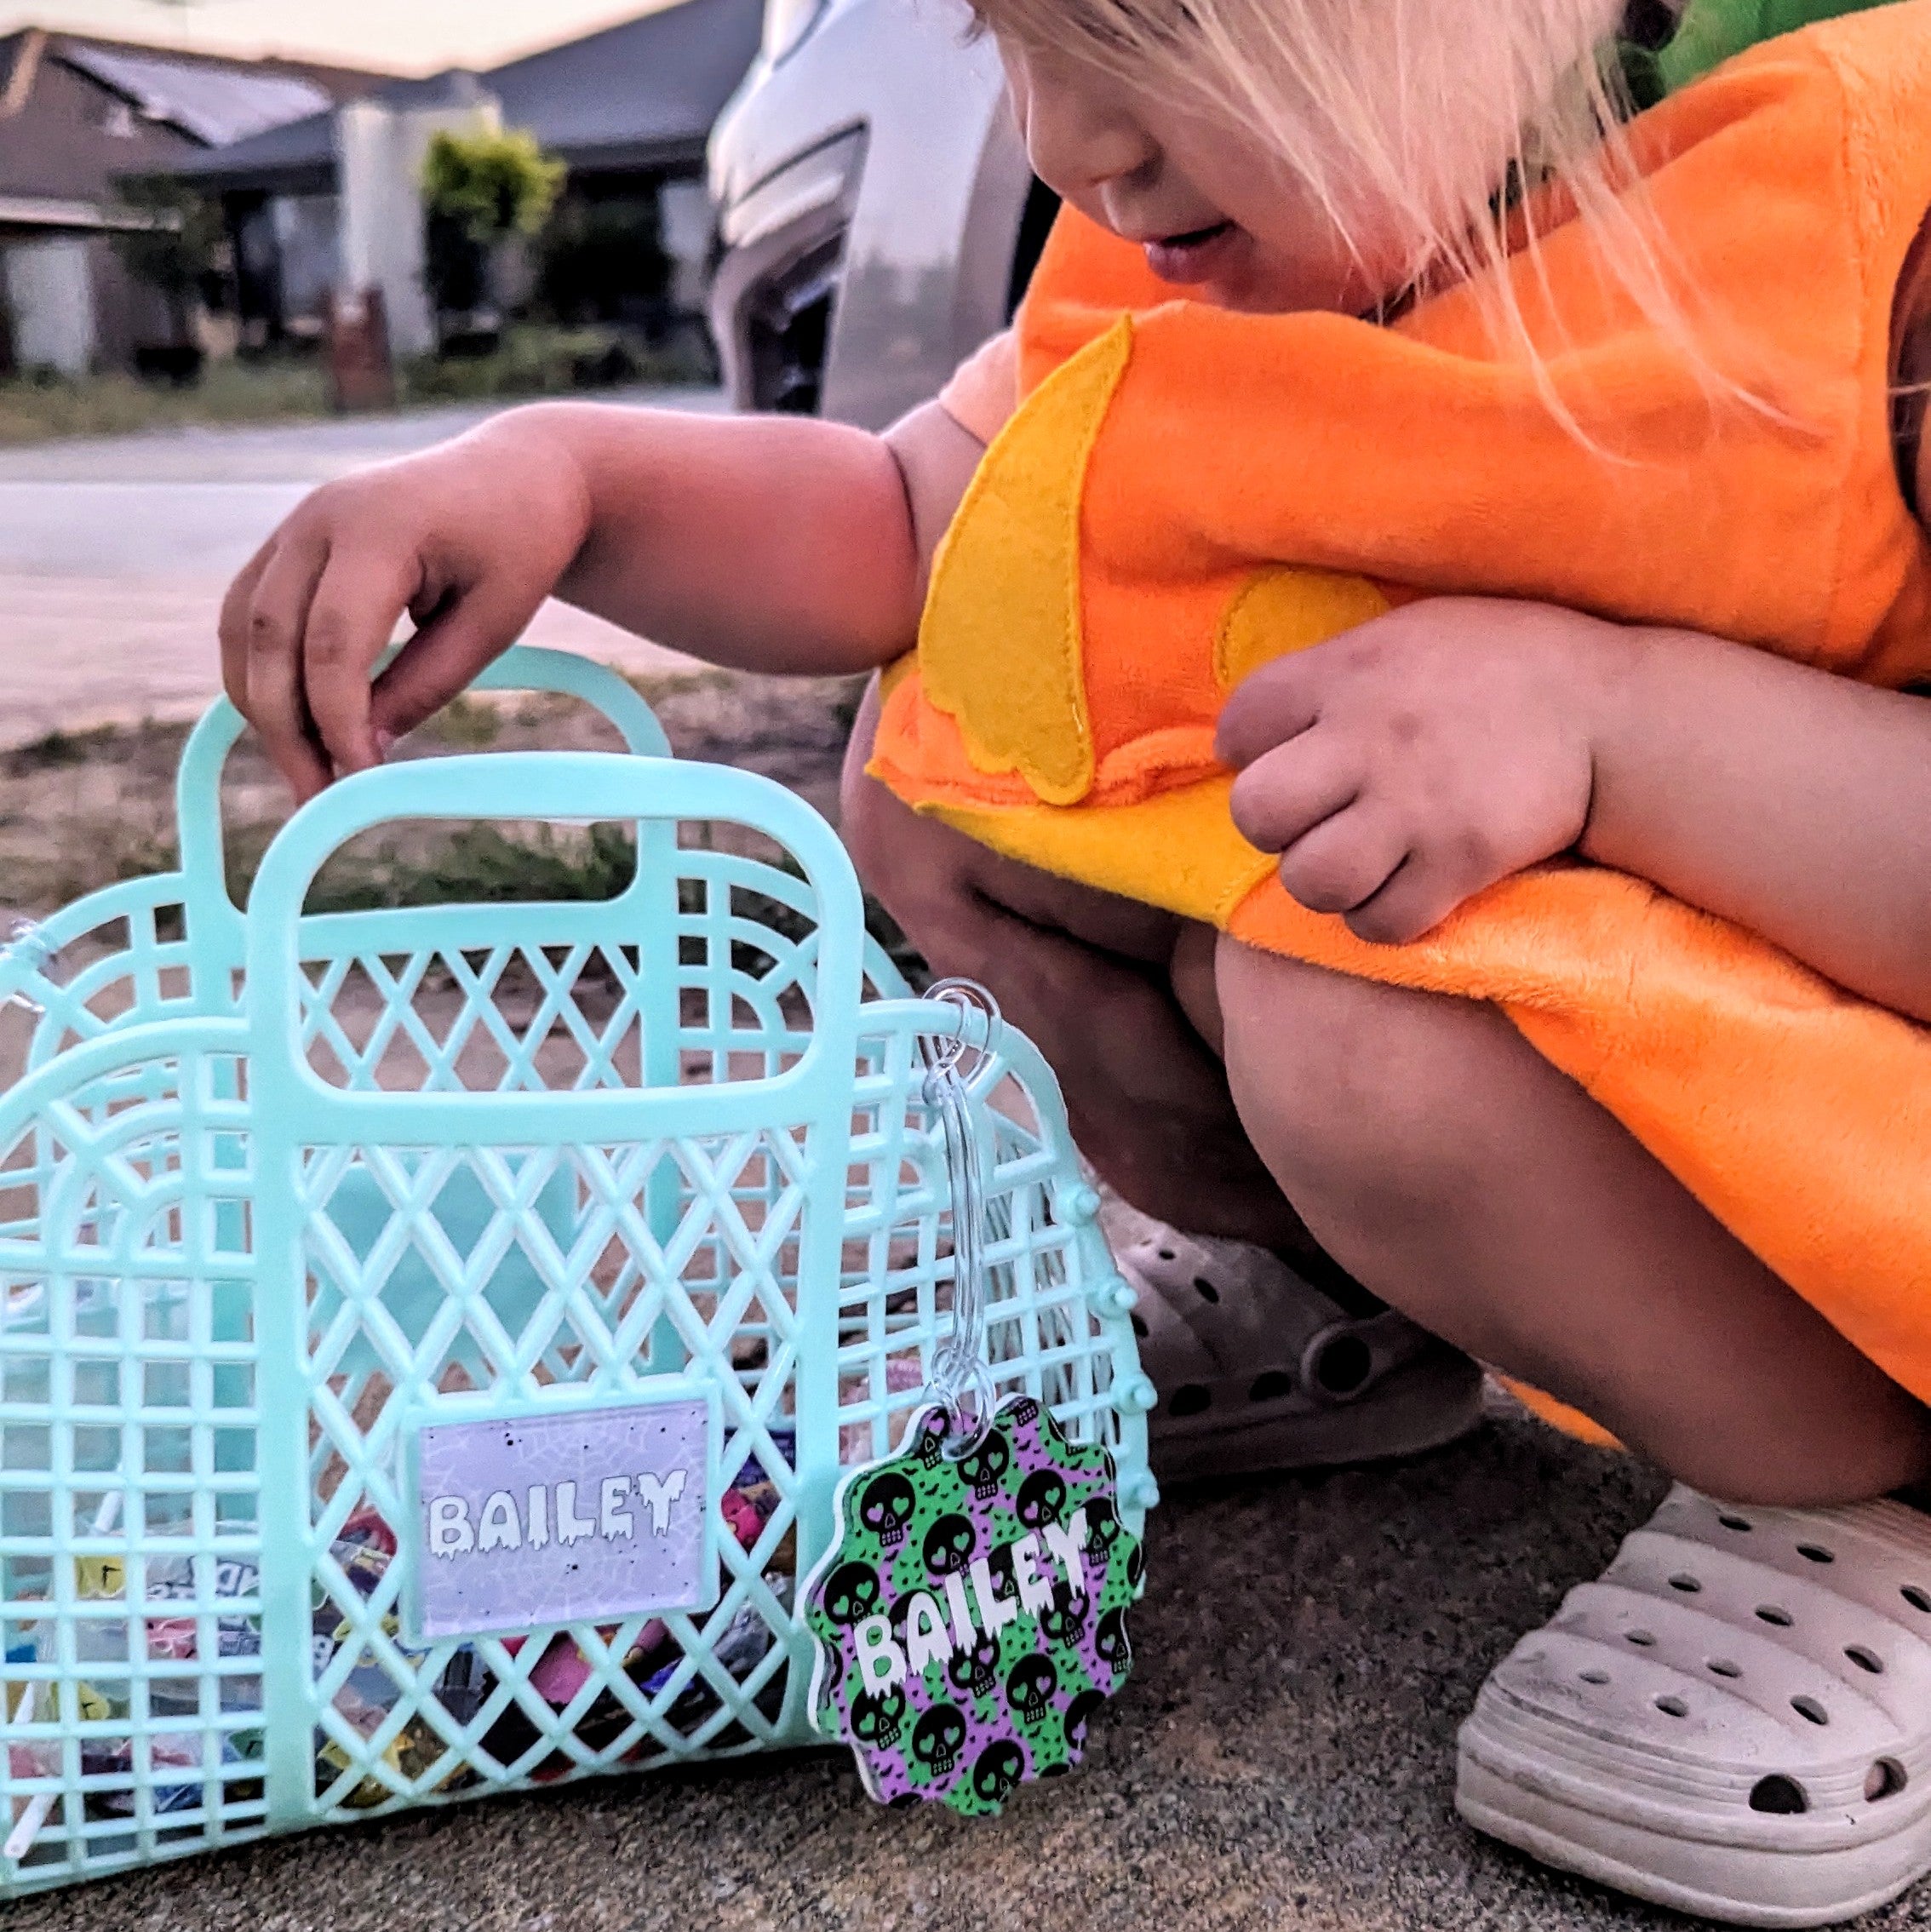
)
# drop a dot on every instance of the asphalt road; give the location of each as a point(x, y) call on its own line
point(114, 554)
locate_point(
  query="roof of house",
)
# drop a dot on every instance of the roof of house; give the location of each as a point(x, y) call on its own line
point(77, 112)
point(640, 94)
point(215, 106)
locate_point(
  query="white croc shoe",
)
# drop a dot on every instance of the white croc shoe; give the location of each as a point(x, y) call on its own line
point(1735, 1721)
point(1259, 1369)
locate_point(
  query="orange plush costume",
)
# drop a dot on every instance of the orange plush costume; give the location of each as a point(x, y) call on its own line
point(1186, 493)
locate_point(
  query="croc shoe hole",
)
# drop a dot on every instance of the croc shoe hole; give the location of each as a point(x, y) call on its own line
point(1780, 1795)
point(1885, 1779)
point(1344, 1365)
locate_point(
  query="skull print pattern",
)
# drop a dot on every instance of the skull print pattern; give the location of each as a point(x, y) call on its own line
point(972, 1618)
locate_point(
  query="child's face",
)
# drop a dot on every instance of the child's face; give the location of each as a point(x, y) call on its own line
point(1217, 214)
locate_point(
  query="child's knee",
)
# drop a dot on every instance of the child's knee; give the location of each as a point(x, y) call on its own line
point(1354, 1092)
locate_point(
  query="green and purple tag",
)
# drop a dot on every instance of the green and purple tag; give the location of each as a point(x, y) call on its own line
point(972, 1617)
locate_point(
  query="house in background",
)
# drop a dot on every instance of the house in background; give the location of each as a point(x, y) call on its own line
point(75, 114)
point(329, 203)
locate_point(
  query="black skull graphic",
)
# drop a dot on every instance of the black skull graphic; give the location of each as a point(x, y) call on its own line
point(1024, 1411)
point(887, 1507)
point(851, 1594)
point(949, 1546)
point(1110, 1640)
point(1079, 1713)
point(1030, 1686)
point(996, 1770)
point(877, 1721)
point(931, 1441)
point(937, 1737)
point(1042, 1498)
point(1103, 1527)
point(975, 1672)
point(1062, 1622)
point(985, 1468)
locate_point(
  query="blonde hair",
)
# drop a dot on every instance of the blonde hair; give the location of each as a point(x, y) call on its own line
point(1473, 122)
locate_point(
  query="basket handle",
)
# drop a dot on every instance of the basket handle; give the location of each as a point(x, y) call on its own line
point(564, 788)
point(527, 667)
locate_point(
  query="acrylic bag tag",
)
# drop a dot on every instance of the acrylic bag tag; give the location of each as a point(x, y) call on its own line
point(972, 1616)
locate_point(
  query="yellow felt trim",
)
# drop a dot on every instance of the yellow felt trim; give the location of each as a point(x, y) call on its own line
point(1282, 611)
point(1000, 648)
point(1178, 850)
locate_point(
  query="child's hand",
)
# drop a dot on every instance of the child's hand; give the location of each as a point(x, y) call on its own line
point(468, 540)
point(1400, 769)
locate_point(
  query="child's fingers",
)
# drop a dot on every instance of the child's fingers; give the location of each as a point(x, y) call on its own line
point(278, 615)
point(1279, 701)
point(1346, 860)
point(445, 656)
point(351, 617)
point(1420, 894)
point(233, 626)
point(1283, 795)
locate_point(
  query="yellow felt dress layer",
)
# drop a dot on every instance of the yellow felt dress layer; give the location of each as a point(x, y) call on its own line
point(1187, 493)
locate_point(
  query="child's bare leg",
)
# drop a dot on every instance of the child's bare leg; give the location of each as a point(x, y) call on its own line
point(1459, 1176)
point(1090, 978)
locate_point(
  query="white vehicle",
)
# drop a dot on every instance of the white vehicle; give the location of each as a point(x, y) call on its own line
point(877, 217)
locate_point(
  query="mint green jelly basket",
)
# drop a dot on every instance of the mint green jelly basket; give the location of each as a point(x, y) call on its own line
point(296, 1208)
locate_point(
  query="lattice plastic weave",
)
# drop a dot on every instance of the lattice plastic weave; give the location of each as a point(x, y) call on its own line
point(278, 1187)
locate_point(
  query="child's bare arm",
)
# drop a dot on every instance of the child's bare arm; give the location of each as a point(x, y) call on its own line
point(767, 543)
point(1408, 765)
point(1796, 803)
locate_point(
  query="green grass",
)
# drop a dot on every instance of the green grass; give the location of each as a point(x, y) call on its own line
point(38, 410)
point(533, 362)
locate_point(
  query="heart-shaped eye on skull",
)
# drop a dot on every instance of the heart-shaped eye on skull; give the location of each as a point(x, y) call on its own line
point(1110, 1639)
point(937, 1738)
point(1062, 1623)
point(877, 1720)
point(985, 1468)
point(887, 1507)
point(996, 1770)
point(949, 1546)
point(851, 1593)
point(931, 1440)
point(1079, 1714)
point(1030, 1686)
point(1103, 1527)
point(975, 1672)
point(1042, 1498)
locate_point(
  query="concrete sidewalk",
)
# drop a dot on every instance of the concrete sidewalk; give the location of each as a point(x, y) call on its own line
point(114, 555)
point(1284, 1755)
